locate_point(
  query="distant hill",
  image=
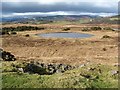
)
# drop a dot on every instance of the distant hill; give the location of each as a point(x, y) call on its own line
point(116, 16)
point(89, 19)
point(66, 17)
point(106, 20)
point(46, 18)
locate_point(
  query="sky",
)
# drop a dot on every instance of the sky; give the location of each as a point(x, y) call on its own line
point(59, 7)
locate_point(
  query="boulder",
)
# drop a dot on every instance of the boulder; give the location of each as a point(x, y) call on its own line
point(59, 71)
point(20, 70)
point(48, 69)
point(33, 68)
point(7, 56)
point(114, 72)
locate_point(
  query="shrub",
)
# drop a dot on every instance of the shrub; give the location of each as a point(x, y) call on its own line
point(27, 35)
point(104, 49)
point(108, 28)
point(4, 33)
point(96, 28)
point(66, 29)
point(106, 36)
point(13, 33)
point(85, 29)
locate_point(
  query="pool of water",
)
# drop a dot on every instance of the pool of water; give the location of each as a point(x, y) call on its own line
point(65, 35)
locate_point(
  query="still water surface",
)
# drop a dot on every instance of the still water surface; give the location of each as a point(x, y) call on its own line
point(65, 35)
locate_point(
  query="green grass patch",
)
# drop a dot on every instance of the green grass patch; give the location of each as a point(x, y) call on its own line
point(90, 76)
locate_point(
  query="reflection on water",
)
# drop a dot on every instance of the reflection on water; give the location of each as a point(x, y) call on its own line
point(65, 35)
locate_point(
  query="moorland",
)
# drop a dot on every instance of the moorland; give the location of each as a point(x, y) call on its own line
point(41, 62)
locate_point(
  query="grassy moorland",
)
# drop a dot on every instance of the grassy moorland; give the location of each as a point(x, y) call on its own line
point(95, 59)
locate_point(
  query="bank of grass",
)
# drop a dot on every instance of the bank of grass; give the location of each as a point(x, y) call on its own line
point(89, 76)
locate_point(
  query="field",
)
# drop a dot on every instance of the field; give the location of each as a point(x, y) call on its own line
point(98, 52)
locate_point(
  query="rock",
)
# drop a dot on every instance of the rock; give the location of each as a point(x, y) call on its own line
point(41, 68)
point(82, 65)
point(51, 71)
point(59, 71)
point(50, 66)
point(1, 50)
point(21, 70)
point(7, 56)
point(69, 67)
point(55, 66)
point(65, 67)
point(59, 65)
point(114, 72)
point(33, 68)
point(117, 64)
point(42, 64)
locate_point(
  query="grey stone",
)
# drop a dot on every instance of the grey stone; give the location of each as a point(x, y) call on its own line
point(82, 65)
point(59, 71)
point(114, 72)
point(51, 70)
point(7, 56)
point(42, 68)
point(68, 67)
point(21, 70)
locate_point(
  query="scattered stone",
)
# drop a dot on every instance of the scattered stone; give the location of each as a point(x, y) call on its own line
point(58, 71)
point(47, 69)
point(117, 64)
point(114, 72)
point(82, 65)
point(7, 56)
point(21, 70)
point(51, 71)
point(1, 50)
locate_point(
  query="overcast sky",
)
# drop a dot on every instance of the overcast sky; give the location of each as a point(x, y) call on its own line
point(59, 7)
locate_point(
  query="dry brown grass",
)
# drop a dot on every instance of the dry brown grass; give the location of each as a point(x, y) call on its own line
point(70, 51)
point(59, 25)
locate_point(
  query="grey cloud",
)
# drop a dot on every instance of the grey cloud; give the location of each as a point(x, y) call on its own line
point(12, 7)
